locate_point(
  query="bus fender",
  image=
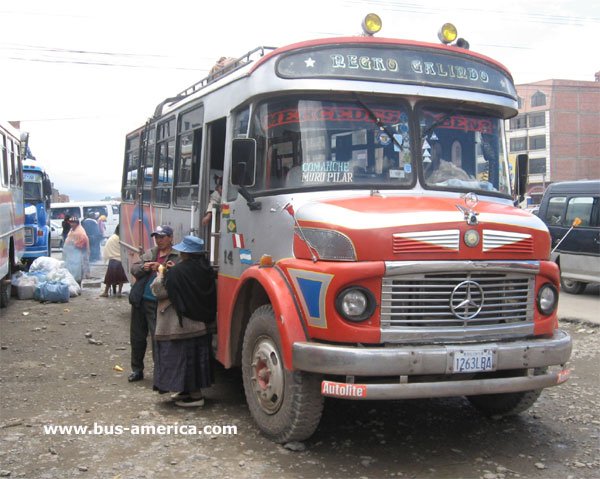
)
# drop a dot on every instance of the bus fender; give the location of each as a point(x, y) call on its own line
point(269, 286)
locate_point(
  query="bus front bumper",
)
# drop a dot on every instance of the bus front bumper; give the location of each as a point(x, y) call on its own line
point(402, 363)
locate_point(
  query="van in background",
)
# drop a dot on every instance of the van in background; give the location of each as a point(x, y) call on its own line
point(81, 209)
point(578, 254)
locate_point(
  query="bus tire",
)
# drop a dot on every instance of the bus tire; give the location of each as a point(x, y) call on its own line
point(506, 404)
point(286, 405)
point(571, 286)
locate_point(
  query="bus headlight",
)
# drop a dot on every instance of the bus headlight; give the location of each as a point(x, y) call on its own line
point(547, 299)
point(355, 303)
point(329, 244)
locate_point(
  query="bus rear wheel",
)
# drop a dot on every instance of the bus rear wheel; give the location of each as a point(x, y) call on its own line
point(286, 405)
point(5, 287)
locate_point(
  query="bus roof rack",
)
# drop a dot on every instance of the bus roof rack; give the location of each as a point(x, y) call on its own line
point(225, 66)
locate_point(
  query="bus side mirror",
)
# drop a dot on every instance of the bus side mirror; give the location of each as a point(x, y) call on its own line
point(522, 176)
point(243, 162)
point(47, 187)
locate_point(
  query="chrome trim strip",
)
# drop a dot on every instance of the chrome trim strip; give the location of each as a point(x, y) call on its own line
point(448, 239)
point(398, 268)
point(494, 332)
point(418, 360)
point(493, 239)
point(460, 388)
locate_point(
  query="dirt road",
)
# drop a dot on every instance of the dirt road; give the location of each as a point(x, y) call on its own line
point(57, 369)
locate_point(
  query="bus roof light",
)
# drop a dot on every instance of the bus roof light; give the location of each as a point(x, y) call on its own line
point(462, 43)
point(447, 33)
point(371, 24)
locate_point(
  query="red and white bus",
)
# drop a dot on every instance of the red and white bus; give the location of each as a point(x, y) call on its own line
point(367, 243)
point(12, 234)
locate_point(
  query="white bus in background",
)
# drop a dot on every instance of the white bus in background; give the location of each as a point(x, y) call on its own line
point(81, 209)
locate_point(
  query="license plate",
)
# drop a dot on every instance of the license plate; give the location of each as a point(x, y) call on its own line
point(464, 360)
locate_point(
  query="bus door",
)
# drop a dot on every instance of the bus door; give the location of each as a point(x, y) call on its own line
point(213, 177)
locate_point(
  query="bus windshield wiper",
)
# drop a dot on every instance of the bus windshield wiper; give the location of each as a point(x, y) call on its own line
point(437, 123)
point(382, 126)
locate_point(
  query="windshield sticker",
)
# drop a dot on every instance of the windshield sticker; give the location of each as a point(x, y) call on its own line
point(398, 142)
point(326, 172)
point(459, 122)
point(330, 113)
point(383, 139)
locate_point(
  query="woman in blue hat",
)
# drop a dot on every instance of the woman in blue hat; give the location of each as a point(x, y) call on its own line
point(185, 315)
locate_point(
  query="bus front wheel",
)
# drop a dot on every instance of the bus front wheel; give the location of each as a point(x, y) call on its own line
point(286, 405)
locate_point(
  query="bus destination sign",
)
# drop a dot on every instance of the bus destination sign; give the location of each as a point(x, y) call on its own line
point(398, 64)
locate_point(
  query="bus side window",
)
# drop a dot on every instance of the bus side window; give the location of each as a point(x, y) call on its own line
point(165, 163)
point(187, 161)
point(4, 165)
point(132, 158)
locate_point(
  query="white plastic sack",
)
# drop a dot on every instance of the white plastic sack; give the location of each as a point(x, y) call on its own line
point(46, 264)
point(23, 279)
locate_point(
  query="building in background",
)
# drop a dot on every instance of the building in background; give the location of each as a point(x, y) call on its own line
point(58, 197)
point(558, 126)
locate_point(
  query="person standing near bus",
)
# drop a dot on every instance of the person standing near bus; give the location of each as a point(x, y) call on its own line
point(76, 250)
point(115, 274)
point(214, 201)
point(101, 225)
point(66, 227)
point(93, 231)
point(186, 311)
point(143, 302)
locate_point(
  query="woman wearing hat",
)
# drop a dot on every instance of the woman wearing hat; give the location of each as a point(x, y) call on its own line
point(186, 311)
point(76, 250)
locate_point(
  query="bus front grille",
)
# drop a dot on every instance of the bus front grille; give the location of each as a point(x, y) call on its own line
point(29, 237)
point(450, 306)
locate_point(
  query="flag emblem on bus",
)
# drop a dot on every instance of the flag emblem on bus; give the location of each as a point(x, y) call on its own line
point(238, 240)
point(225, 211)
point(231, 227)
point(245, 256)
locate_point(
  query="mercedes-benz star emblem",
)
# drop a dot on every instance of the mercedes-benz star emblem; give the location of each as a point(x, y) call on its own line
point(466, 300)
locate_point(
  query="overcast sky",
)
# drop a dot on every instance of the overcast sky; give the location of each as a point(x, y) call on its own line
point(81, 74)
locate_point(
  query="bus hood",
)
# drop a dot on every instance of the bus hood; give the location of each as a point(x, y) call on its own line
point(431, 228)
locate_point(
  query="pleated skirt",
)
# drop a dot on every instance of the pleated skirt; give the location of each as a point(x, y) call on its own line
point(183, 364)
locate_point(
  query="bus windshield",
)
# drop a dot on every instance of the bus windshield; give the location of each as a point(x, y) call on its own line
point(32, 187)
point(462, 150)
point(316, 143)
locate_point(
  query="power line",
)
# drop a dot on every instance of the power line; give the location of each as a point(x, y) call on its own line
point(425, 10)
point(124, 65)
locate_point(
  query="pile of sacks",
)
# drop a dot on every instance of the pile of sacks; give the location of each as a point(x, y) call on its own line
point(47, 280)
